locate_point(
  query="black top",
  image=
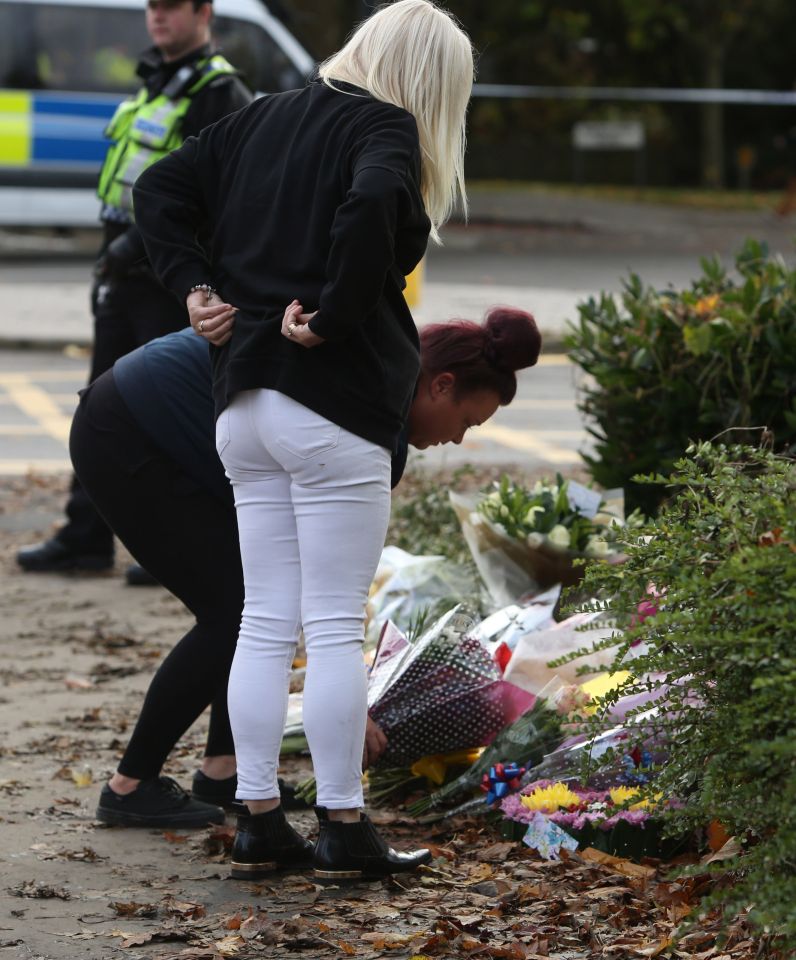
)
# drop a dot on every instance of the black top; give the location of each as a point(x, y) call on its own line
point(312, 194)
point(215, 100)
point(166, 386)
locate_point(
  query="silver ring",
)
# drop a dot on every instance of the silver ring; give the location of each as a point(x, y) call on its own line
point(201, 327)
point(290, 328)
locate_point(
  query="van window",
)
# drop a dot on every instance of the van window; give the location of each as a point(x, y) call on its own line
point(95, 49)
point(57, 47)
point(264, 65)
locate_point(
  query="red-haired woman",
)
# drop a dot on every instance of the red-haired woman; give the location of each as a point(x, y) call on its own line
point(142, 444)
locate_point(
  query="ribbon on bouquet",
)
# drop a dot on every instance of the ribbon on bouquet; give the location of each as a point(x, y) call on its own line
point(501, 780)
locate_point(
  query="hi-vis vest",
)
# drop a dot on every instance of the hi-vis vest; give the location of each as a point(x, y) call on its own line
point(143, 131)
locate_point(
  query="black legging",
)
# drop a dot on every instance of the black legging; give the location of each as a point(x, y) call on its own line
point(187, 538)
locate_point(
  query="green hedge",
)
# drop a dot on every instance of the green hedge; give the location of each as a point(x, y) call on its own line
point(669, 367)
point(722, 557)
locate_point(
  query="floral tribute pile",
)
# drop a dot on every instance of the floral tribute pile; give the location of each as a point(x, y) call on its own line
point(473, 710)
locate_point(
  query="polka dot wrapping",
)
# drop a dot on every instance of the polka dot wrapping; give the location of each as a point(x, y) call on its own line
point(443, 695)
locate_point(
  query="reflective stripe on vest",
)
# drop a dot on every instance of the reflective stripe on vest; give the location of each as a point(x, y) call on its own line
point(142, 131)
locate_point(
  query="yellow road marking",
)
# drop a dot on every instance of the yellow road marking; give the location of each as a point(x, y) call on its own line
point(46, 376)
point(543, 403)
point(527, 441)
point(20, 430)
point(34, 402)
point(554, 360)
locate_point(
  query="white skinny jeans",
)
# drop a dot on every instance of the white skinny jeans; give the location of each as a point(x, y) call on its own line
point(313, 502)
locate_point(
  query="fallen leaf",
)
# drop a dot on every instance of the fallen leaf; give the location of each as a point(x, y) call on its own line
point(164, 935)
point(717, 836)
point(184, 909)
point(386, 941)
point(480, 871)
point(619, 864)
point(83, 777)
point(498, 851)
point(606, 893)
point(133, 909)
point(230, 945)
point(258, 925)
point(731, 848)
point(174, 837)
point(40, 891)
point(654, 949)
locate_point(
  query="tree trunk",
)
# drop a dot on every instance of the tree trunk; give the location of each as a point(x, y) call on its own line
point(712, 115)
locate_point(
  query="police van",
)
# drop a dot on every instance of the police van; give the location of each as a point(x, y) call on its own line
point(65, 65)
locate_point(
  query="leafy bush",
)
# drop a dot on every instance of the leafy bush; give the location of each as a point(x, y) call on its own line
point(722, 559)
point(673, 367)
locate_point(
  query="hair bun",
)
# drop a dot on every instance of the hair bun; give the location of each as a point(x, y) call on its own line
point(512, 339)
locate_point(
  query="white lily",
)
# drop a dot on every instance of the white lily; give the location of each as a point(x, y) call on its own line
point(559, 536)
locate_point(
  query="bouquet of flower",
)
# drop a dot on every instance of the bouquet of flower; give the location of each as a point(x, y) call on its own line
point(525, 741)
point(523, 539)
point(441, 693)
point(628, 753)
point(609, 819)
point(385, 782)
point(574, 807)
point(560, 515)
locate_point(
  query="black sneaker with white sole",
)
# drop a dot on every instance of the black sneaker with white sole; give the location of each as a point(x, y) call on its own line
point(160, 802)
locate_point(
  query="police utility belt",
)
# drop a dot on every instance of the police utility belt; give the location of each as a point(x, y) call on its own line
point(142, 131)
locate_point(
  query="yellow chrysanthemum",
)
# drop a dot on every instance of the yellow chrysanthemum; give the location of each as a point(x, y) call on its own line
point(555, 797)
point(621, 796)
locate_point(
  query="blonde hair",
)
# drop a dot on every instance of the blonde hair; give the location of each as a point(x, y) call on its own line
point(413, 54)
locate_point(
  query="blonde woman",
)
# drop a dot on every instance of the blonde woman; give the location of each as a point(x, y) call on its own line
point(320, 200)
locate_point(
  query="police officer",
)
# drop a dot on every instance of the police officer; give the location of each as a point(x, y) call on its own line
point(186, 86)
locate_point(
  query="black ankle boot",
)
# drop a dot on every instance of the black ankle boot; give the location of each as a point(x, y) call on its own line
point(355, 851)
point(265, 842)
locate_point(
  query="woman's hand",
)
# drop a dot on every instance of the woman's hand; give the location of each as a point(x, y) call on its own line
point(375, 744)
point(295, 326)
point(210, 317)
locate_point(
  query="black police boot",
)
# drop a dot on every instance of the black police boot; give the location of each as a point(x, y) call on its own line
point(52, 556)
point(265, 842)
point(355, 851)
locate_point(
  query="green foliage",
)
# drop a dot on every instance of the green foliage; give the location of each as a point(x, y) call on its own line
point(423, 521)
point(722, 558)
point(673, 367)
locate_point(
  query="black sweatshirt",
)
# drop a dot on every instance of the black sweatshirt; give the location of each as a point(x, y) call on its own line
point(312, 194)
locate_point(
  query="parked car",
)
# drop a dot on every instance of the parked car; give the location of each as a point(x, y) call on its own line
point(64, 67)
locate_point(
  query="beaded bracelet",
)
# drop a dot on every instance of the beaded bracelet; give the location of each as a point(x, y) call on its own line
point(209, 291)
